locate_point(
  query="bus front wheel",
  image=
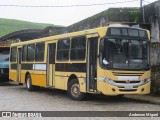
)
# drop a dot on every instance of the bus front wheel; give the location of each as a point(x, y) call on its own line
point(74, 90)
point(29, 85)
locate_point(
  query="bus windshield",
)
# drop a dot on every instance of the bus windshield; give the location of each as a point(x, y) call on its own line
point(4, 57)
point(120, 53)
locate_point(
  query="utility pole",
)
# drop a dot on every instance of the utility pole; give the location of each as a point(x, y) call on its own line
point(141, 3)
point(142, 10)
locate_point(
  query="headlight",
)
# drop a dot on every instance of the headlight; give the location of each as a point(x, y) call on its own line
point(102, 79)
point(147, 80)
point(107, 80)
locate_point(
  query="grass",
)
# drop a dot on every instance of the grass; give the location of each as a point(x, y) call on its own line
point(11, 25)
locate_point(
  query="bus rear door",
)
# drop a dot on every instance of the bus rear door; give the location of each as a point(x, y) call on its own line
point(19, 64)
point(51, 64)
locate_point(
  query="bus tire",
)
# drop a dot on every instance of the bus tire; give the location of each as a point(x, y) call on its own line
point(74, 90)
point(20, 83)
point(29, 85)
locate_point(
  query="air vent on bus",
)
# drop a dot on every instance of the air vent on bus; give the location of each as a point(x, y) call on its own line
point(128, 90)
point(117, 81)
point(127, 73)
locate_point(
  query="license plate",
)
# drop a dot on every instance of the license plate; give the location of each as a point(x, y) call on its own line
point(129, 87)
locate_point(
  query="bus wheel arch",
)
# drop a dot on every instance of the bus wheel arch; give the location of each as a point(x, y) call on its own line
point(28, 81)
point(73, 88)
point(27, 73)
point(71, 77)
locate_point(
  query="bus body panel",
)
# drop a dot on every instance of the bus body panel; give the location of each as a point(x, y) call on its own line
point(23, 76)
point(13, 75)
point(107, 89)
point(61, 80)
point(38, 79)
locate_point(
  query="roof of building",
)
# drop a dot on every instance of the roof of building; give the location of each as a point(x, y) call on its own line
point(30, 34)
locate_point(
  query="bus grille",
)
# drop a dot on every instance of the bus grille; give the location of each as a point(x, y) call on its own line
point(128, 73)
point(128, 90)
point(126, 81)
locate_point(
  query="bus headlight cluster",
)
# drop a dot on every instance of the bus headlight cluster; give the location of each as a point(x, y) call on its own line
point(107, 80)
point(110, 81)
point(146, 80)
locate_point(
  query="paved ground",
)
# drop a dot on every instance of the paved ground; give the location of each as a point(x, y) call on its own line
point(16, 98)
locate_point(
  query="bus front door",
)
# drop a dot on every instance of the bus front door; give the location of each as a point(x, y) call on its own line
point(19, 65)
point(51, 64)
point(92, 64)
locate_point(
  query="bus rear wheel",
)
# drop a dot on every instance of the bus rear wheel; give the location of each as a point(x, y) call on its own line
point(29, 85)
point(74, 90)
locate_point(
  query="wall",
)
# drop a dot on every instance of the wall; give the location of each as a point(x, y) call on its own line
point(150, 14)
point(130, 15)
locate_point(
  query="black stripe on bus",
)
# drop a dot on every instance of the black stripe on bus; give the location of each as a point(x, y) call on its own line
point(27, 66)
point(67, 67)
point(14, 66)
point(67, 76)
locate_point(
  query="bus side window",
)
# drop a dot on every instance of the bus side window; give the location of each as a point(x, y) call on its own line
point(13, 54)
point(63, 49)
point(31, 52)
point(24, 53)
point(39, 53)
point(78, 48)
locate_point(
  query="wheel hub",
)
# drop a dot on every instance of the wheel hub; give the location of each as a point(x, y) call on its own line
point(75, 91)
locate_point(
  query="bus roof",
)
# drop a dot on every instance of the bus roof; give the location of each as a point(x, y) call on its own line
point(4, 46)
point(101, 31)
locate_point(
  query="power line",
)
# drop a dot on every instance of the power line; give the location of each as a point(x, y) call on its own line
point(51, 6)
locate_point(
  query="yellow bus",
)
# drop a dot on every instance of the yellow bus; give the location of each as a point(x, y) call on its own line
point(111, 60)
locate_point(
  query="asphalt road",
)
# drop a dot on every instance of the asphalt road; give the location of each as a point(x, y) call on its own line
point(16, 98)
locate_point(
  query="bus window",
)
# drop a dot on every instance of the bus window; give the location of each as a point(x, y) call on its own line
point(13, 54)
point(30, 52)
point(78, 48)
point(24, 53)
point(39, 55)
point(63, 49)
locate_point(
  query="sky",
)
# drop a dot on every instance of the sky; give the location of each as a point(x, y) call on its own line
point(60, 12)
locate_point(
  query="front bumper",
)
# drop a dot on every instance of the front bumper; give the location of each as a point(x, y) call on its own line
point(108, 89)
